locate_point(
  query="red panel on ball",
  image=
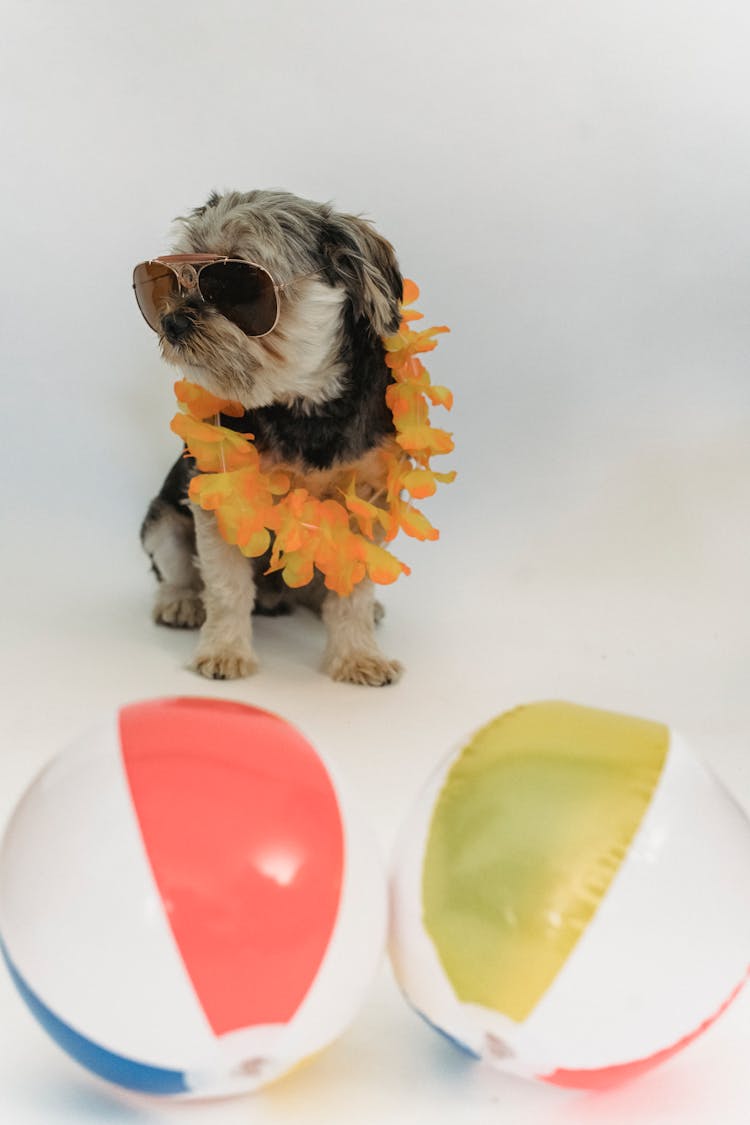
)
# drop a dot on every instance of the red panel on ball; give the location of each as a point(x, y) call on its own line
point(243, 832)
point(604, 1077)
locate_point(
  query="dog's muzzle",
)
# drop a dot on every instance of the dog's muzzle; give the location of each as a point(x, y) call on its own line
point(176, 326)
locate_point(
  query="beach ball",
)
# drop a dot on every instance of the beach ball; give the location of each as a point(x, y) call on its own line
point(570, 896)
point(189, 905)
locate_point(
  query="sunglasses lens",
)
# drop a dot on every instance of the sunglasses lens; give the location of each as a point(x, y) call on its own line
point(154, 284)
point(242, 293)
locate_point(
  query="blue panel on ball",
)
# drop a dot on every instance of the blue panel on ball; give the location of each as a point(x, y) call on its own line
point(446, 1035)
point(442, 1032)
point(115, 1068)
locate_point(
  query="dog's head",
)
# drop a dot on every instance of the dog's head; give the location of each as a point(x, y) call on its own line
point(330, 270)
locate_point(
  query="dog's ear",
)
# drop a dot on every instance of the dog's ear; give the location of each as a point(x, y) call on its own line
point(364, 263)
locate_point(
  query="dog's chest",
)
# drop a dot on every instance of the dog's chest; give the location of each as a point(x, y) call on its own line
point(370, 471)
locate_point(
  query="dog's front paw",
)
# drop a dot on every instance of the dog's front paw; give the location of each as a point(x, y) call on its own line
point(364, 668)
point(179, 607)
point(225, 664)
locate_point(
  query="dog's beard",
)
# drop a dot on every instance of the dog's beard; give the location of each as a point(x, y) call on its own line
point(219, 357)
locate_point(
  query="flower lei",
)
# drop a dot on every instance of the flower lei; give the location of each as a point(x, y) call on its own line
point(258, 510)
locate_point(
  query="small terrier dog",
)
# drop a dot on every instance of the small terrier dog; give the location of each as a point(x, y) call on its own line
point(281, 304)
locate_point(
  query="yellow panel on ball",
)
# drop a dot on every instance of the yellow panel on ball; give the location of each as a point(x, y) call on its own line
point(529, 830)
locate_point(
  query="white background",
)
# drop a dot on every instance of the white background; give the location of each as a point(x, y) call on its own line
point(569, 184)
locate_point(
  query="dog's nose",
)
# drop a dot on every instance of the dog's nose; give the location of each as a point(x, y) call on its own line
point(177, 326)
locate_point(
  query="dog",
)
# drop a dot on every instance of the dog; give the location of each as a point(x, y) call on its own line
point(313, 388)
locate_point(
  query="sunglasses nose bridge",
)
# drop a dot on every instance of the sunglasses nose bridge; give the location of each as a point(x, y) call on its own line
point(186, 277)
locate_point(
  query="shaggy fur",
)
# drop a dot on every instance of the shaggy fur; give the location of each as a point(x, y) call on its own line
point(314, 395)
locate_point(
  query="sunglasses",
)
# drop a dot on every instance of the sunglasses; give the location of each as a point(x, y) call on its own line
point(243, 292)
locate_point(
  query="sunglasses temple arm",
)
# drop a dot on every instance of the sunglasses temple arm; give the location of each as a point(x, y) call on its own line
point(302, 277)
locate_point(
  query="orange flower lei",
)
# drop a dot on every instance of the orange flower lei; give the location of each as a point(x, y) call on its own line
point(256, 510)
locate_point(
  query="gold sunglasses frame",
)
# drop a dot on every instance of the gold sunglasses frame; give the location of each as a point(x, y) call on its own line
point(187, 270)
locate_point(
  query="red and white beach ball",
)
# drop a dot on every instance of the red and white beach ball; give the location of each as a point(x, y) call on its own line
point(570, 896)
point(188, 905)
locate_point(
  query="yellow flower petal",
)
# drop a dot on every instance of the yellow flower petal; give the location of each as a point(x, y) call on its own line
point(440, 396)
point(416, 525)
point(411, 292)
point(383, 567)
point(202, 404)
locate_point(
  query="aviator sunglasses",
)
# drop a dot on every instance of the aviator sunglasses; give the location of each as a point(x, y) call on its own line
point(242, 291)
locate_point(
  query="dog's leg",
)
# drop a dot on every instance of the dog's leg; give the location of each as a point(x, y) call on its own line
point(352, 654)
point(225, 650)
point(168, 538)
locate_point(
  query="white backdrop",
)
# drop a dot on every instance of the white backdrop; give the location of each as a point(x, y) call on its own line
point(568, 183)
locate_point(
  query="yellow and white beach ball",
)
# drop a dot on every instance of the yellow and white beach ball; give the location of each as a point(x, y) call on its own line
point(570, 896)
